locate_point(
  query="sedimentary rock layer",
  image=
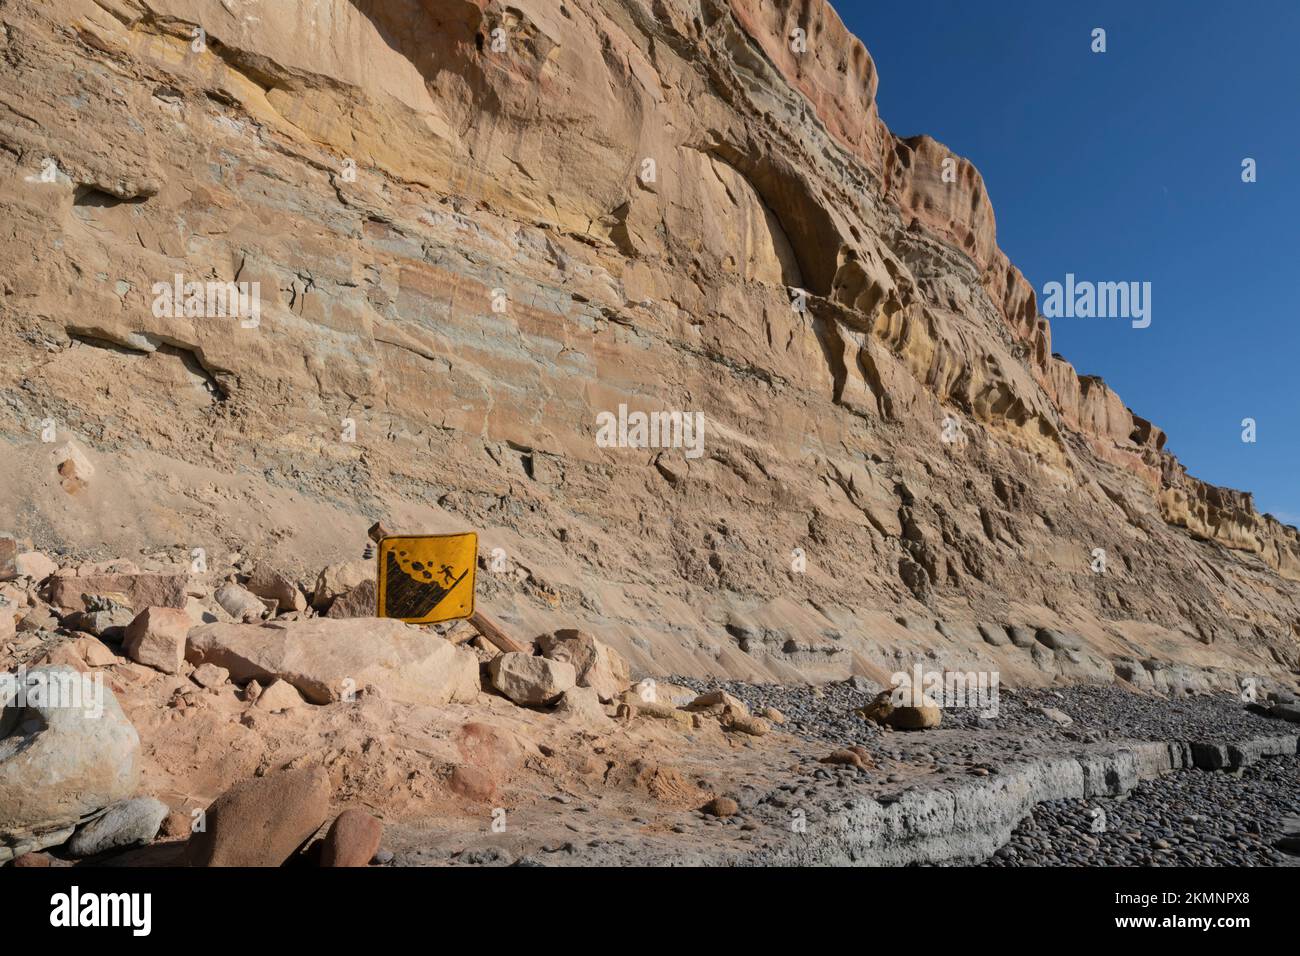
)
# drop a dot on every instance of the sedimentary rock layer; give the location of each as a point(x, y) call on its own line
point(475, 227)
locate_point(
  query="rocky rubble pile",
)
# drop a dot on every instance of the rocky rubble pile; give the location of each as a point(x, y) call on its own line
point(70, 776)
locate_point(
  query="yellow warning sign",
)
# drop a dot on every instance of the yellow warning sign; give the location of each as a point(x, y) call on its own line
point(426, 578)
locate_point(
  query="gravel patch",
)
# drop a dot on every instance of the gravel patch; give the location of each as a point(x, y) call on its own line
point(1188, 818)
point(1098, 712)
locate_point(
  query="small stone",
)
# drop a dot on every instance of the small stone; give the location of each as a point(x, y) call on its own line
point(176, 825)
point(210, 676)
point(33, 861)
point(845, 758)
point(1056, 716)
point(279, 696)
point(721, 807)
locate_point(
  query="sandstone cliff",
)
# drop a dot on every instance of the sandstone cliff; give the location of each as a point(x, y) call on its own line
point(477, 226)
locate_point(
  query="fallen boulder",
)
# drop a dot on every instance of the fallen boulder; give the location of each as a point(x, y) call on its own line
point(156, 638)
point(210, 676)
point(1285, 711)
point(129, 823)
point(531, 681)
point(361, 601)
point(633, 705)
point(339, 579)
point(329, 660)
point(721, 807)
point(240, 603)
point(103, 617)
point(717, 702)
point(581, 705)
point(597, 665)
point(912, 710)
point(262, 821)
point(137, 591)
point(273, 584)
point(353, 840)
point(1021, 636)
point(35, 565)
point(280, 696)
point(1056, 715)
point(66, 751)
point(994, 634)
point(856, 756)
point(744, 722)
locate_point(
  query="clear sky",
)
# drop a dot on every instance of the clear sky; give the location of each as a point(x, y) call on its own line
point(1124, 166)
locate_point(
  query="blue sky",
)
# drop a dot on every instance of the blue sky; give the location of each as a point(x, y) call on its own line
point(1126, 165)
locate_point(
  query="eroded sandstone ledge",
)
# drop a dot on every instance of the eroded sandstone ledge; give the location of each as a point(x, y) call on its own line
point(520, 172)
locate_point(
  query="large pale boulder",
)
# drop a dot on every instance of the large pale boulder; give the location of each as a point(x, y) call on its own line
point(597, 665)
point(156, 638)
point(262, 821)
point(327, 660)
point(65, 753)
point(531, 681)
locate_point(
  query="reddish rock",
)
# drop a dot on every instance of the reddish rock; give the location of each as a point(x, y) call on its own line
point(36, 860)
point(262, 821)
point(353, 840)
point(473, 783)
point(176, 825)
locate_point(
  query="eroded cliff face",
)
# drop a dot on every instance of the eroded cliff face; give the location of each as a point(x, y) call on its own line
point(474, 228)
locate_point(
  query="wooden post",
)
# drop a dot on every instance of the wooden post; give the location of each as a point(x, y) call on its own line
point(492, 633)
